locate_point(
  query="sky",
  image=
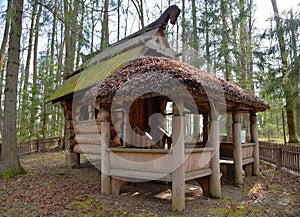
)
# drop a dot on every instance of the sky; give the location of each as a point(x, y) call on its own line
point(264, 10)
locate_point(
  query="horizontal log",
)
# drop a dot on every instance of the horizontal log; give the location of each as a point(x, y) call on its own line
point(87, 127)
point(88, 138)
point(87, 149)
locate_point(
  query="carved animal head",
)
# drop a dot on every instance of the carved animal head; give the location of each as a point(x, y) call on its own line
point(174, 12)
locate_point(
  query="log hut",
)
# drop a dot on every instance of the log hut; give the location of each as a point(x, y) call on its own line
point(115, 106)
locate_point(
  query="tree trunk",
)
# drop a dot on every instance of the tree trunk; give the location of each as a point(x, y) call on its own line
point(183, 32)
point(105, 31)
point(207, 40)
point(70, 20)
point(295, 68)
point(195, 28)
point(2, 55)
point(249, 50)
point(293, 138)
point(138, 4)
point(224, 43)
point(242, 47)
point(80, 35)
point(10, 162)
point(119, 19)
point(35, 88)
point(25, 123)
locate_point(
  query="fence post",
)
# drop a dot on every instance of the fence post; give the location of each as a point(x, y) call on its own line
point(278, 158)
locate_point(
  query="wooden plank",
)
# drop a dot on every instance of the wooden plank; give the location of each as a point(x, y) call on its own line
point(194, 150)
point(141, 175)
point(87, 127)
point(151, 162)
point(197, 160)
point(137, 150)
point(94, 138)
point(247, 152)
point(87, 149)
point(248, 160)
point(197, 174)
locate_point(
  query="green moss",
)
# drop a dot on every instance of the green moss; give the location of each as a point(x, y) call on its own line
point(10, 173)
point(94, 74)
point(219, 211)
point(83, 204)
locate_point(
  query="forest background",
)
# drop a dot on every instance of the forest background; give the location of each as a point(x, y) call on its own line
point(260, 55)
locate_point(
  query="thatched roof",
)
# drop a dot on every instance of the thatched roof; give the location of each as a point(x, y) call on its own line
point(159, 72)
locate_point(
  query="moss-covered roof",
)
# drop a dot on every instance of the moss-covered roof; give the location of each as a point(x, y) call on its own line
point(94, 74)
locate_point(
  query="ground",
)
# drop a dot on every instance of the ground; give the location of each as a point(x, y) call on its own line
point(50, 189)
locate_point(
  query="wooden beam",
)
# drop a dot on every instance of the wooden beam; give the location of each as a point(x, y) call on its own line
point(254, 139)
point(215, 182)
point(178, 175)
point(127, 130)
point(205, 129)
point(116, 185)
point(237, 147)
point(105, 161)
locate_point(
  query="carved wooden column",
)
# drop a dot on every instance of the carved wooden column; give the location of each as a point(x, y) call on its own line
point(68, 137)
point(214, 141)
point(237, 147)
point(105, 143)
point(205, 128)
point(254, 139)
point(178, 175)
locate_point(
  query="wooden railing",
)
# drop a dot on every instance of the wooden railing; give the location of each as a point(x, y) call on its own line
point(36, 145)
point(281, 155)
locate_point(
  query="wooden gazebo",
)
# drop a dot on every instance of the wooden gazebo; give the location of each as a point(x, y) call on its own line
point(115, 104)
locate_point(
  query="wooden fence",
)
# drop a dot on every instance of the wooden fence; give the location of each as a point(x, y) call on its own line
point(37, 145)
point(281, 155)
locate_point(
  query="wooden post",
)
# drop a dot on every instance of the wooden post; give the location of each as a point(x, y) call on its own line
point(278, 158)
point(178, 175)
point(205, 129)
point(196, 127)
point(70, 156)
point(254, 139)
point(229, 128)
point(127, 130)
point(237, 148)
point(215, 182)
point(116, 185)
point(105, 143)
